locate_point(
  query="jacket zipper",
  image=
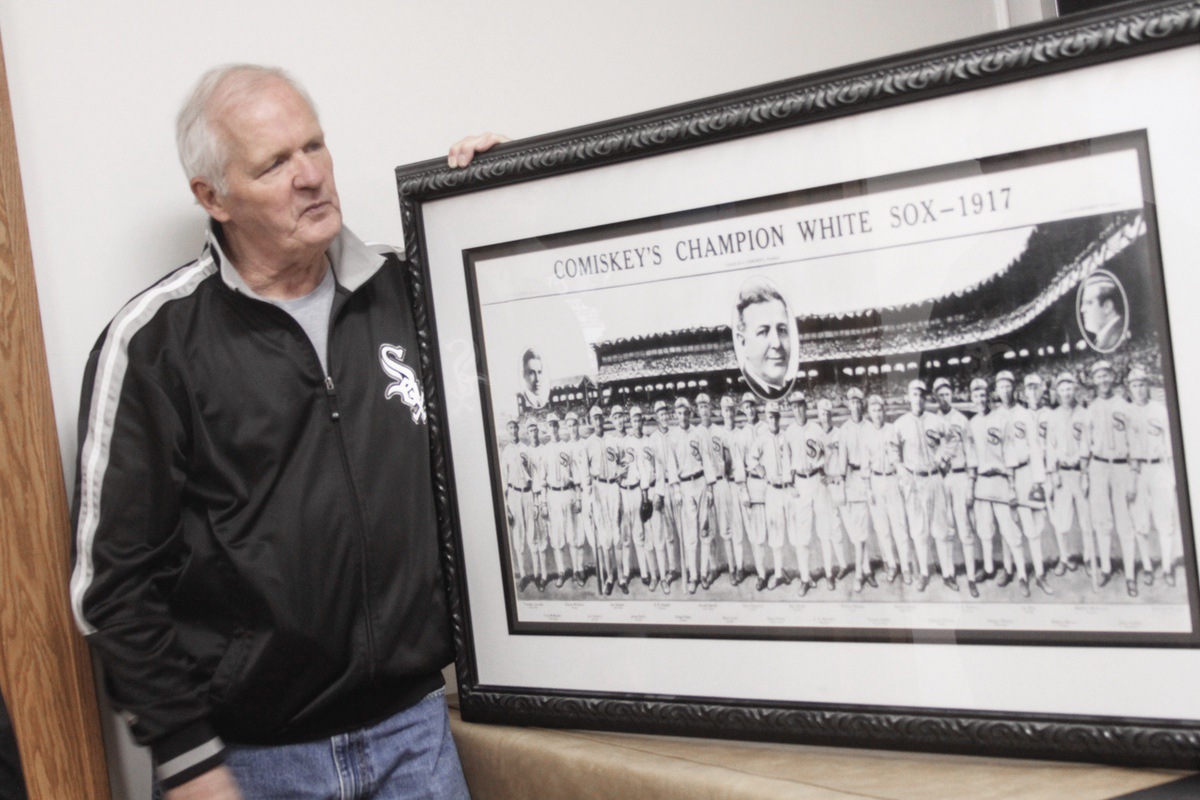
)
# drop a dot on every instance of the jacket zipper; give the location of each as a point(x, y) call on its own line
point(335, 416)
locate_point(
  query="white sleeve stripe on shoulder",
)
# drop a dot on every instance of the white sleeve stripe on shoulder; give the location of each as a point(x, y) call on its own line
point(106, 392)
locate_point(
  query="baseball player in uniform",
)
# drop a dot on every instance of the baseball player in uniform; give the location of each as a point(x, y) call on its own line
point(629, 483)
point(921, 436)
point(604, 472)
point(1023, 449)
point(558, 493)
point(1154, 474)
point(729, 461)
point(809, 505)
point(1066, 480)
point(742, 440)
point(1036, 400)
point(633, 497)
point(518, 497)
point(847, 465)
point(721, 504)
point(693, 461)
point(768, 460)
point(580, 515)
point(1110, 478)
point(958, 482)
point(992, 478)
point(667, 490)
point(886, 503)
point(539, 534)
point(643, 539)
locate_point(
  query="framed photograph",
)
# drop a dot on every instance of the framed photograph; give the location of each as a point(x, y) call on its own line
point(848, 410)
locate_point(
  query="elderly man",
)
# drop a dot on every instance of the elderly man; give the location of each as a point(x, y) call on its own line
point(256, 558)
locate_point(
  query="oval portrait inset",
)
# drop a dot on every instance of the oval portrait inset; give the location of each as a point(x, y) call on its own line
point(764, 338)
point(1102, 310)
point(534, 389)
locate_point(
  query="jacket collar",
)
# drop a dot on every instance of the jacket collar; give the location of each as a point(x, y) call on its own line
point(353, 261)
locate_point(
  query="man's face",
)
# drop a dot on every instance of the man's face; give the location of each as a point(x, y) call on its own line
point(514, 433)
point(1140, 391)
point(533, 375)
point(281, 204)
point(705, 412)
point(619, 423)
point(765, 343)
point(1066, 394)
point(773, 422)
point(825, 418)
point(875, 412)
point(636, 424)
point(916, 400)
point(597, 424)
point(944, 396)
point(685, 417)
point(1033, 396)
point(800, 412)
point(1004, 390)
point(664, 418)
point(1104, 382)
point(534, 438)
point(553, 437)
point(856, 409)
point(573, 429)
point(980, 398)
point(1093, 310)
point(751, 412)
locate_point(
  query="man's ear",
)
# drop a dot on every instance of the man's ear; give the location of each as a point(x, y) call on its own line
point(208, 197)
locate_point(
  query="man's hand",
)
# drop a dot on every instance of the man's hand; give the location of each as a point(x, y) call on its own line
point(462, 151)
point(216, 784)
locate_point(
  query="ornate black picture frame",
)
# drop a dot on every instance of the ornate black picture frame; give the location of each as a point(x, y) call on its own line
point(1060, 88)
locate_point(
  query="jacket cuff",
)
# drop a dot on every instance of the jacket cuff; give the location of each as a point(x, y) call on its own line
point(186, 754)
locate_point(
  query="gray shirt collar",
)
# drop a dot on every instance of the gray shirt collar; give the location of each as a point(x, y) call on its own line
point(353, 261)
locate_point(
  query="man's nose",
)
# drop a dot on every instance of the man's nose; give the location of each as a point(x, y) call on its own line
point(309, 174)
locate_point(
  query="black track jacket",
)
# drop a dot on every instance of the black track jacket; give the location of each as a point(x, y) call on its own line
point(256, 556)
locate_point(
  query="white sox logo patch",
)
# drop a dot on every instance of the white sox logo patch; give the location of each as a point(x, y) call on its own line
point(404, 381)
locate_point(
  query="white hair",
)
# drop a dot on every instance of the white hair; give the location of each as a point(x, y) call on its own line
point(203, 152)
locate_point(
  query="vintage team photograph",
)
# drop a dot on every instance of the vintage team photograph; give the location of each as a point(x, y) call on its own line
point(930, 402)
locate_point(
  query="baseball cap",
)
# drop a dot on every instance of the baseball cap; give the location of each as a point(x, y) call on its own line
point(531, 423)
point(854, 393)
point(771, 407)
point(635, 411)
point(824, 405)
point(1137, 374)
point(1101, 366)
point(918, 384)
point(940, 382)
point(1064, 377)
point(875, 400)
point(682, 402)
point(979, 383)
point(552, 417)
point(703, 399)
point(1005, 375)
point(747, 399)
point(617, 411)
point(1033, 379)
point(571, 417)
point(661, 405)
point(727, 403)
point(595, 411)
point(797, 397)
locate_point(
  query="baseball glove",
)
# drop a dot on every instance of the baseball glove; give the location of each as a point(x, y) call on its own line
point(647, 509)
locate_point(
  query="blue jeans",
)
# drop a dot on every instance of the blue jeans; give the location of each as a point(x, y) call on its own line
point(409, 756)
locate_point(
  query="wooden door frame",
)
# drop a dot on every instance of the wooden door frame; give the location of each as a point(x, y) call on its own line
point(45, 672)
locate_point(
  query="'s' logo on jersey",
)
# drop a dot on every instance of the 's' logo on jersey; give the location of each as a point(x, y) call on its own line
point(404, 381)
point(1118, 421)
point(994, 437)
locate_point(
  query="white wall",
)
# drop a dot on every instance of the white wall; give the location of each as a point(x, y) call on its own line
point(95, 87)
